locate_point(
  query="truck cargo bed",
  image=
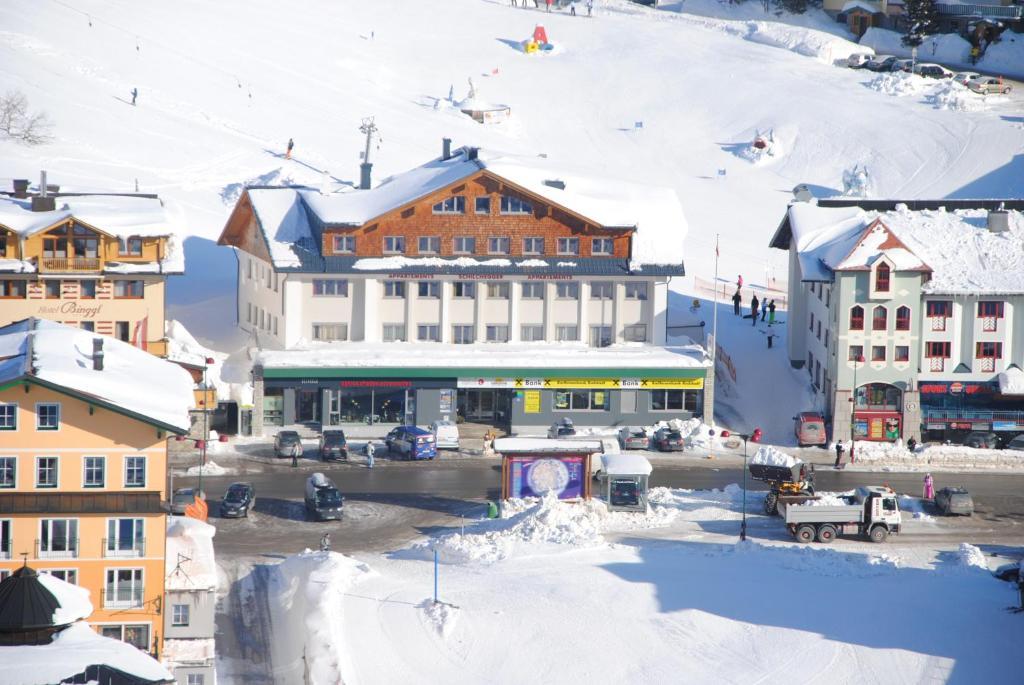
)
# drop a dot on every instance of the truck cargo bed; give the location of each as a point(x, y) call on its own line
point(822, 514)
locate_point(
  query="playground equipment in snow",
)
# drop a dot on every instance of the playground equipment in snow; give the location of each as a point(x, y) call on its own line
point(538, 42)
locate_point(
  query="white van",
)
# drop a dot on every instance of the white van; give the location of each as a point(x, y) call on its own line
point(446, 434)
point(323, 500)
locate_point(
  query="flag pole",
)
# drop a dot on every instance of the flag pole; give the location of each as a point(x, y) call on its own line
point(714, 326)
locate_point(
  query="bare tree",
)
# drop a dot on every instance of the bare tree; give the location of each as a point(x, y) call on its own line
point(19, 123)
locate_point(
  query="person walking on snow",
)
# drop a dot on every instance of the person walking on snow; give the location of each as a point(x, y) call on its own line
point(370, 449)
point(325, 542)
point(764, 309)
point(135, 95)
point(291, 144)
point(839, 455)
point(572, 9)
point(771, 313)
point(753, 309)
point(736, 300)
point(590, 7)
point(929, 486)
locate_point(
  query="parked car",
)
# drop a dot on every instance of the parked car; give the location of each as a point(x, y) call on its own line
point(981, 440)
point(412, 442)
point(857, 60)
point(562, 429)
point(880, 63)
point(669, 440)
point(183, 497)
point(810, 429)
point(904, 65)
point(446, 434)
point(237, 501)
point(964, 77)
point(333, 445)
point(954, 502)
point(634, 438)
point(988, 85)
point(287, 443)
point(323, 501)
point(1016, 444)
point(933, 71)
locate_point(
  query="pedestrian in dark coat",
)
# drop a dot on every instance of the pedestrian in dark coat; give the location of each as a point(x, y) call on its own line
point(764, 308)
point(771, 312)
point(736, 300)
point(839, 455)
point(291, 144)
point(754, 303)
point(135, 94)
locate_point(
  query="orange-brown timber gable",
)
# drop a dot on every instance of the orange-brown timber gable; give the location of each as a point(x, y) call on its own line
point(242, 230)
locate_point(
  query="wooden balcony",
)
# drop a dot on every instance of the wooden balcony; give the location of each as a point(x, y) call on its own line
point(1000, 11)
point(69, 264)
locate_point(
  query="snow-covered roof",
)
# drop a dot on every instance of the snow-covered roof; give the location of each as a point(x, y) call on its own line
point(626, 464)
point(515, 445)
point(17, 266)
point(131, 380)
point(71, 652)
point(655, 212)
point(961, 253)
point(189, 558)
point(538, 355)
point(1011, 381)
point(180, 652)
point(871, 7)
point(73, 599)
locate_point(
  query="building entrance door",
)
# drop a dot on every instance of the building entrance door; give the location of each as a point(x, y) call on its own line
point(479, 405)
point(307, 408)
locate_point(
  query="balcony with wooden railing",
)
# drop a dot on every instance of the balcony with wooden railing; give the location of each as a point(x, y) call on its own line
point(69, 264)
point(995, 11)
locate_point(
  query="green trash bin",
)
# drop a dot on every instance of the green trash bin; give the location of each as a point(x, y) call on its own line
point(492, 510)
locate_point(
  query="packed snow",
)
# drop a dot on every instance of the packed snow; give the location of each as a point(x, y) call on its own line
point(766, 454)
point(74, 601)
point(210, 468)
point(189, 555)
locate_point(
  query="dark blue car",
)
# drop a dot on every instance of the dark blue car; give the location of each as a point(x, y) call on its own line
point(412, 442)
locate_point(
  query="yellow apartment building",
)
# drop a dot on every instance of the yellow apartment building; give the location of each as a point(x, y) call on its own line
point(84, 423)
point(95, 261)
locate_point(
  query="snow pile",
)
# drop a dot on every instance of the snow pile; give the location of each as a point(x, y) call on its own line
point(970, 557)
point(764, 148)
point(824, 47)
point(948, 48)
point(768, 455)
point(1005, 57)
point(898, 83)
point(304, 595)
point(856, 181)
point(958, 98)
point(190, 558)
point(935, 457)
point(440, 615)
point(210, 468)
point(73, 599)
point(695, 432)
point(829, 499)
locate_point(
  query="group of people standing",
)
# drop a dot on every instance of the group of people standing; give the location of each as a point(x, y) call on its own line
point(766, 306)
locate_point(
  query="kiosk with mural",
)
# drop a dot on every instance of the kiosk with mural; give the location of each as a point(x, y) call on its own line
point(536, 467)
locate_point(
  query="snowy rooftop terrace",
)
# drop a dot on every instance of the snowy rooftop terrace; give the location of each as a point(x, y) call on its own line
point(949, 238)
point(655, 212)
point(131, 380)
point(539, 355)
point(189, 558)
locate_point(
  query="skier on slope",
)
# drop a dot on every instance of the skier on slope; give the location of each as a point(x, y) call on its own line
point(291, 144)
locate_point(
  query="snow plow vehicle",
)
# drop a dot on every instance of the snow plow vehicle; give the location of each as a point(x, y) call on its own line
point(787, 478)
point(872, 511)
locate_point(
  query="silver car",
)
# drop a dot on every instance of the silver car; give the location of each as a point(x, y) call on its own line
point(183, 497)
point(989, 85)
point(634, 438)
point(954, 502)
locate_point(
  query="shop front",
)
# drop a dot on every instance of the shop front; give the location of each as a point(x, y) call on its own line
point(950, 410)
point(878, 413)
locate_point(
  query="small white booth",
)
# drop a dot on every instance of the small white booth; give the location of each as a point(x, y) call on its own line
point(625, 476)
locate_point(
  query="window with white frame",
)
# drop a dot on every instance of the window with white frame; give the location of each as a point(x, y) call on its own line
point(428, 245)
point(498, 245)
point(531, 332)
point(196, 679)
point(581, 400)
point(47, 472)
point(393, 332)
point(515, 205)
point(602, 290)
point(568, 246)
point(567, 291)
point(330, 331)
point(125, 588)
point(48, 416)
point(602, 246)
point(496, 333)
point(394, 244)
point(452, 205)
point(636, 332)
point(8, 472)
point(179, 615)
point(464, 244)
point(600, 336)
point(394, 288)
point(428, 332)
point(533, 290)
point(533, 245)
point(330, 287)
point(8, 416)
point(58, 538)
point(136, 635)
point(428, 290)
point(566, 332)
point(483, 205)
point(463, 334)
point(673, 400)
point(95, 472)
point(135, 472)
point(68, 575)
point(344, 244)
point(636, 290)
point(464, 290)
point(129, 247)
point(126, 537)
point(990, 313)
point(497, 291)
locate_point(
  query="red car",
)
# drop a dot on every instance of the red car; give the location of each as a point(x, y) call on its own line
point(810, 429)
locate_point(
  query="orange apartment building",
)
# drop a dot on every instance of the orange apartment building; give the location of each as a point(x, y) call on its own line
point(95, 261)
point(84, 423)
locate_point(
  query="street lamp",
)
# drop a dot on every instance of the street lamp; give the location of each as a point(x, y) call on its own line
point(755, 436)
point(853, 410)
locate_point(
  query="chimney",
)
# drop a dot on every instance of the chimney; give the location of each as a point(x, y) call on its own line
point(43, 202)
point(999, 220)
point(21, 188)
point(446, 148)
point(471, 153)
point(364, 175)
point(802, 193)
point(97, 354)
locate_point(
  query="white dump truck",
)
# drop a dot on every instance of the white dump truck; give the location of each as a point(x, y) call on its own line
point(871, 511)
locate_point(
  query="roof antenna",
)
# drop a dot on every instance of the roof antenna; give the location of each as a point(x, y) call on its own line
point(370, 129)
point(178, 569)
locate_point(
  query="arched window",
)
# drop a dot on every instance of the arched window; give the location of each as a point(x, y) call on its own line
point(857, 318)
point(903, 319)
point(879, 318)
point(882, 278)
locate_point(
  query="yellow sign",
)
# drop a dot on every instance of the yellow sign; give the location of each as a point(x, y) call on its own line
point(599, 398)
point(672, 384)
point(531, 401)
point(558, 383)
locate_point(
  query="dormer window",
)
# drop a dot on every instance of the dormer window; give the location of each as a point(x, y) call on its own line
point(882, 278)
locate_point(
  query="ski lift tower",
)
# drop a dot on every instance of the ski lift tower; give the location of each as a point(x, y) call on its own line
point(370, 129)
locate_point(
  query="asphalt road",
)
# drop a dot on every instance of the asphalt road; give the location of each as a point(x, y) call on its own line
point(397, 502)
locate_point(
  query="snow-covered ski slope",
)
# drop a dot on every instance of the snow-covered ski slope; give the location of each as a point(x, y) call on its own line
point(222, 86)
